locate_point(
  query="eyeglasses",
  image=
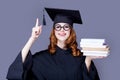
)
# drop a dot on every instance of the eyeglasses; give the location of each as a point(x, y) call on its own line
point(58, 27)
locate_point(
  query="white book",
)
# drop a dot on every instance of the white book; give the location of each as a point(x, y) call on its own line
point(93, 46)
point(92, 40)
point(95, 51)
point(95, 54)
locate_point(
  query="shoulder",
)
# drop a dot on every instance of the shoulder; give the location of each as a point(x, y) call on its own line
point(42, 53)
point(42, 57)
point(80, 58)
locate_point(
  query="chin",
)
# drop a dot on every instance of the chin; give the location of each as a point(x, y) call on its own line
point(62, 39)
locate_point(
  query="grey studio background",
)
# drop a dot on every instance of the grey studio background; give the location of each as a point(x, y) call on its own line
point(101, 19)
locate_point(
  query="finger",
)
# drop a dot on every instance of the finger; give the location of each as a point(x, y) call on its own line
point(40, 26)
point(37, 23)
point(35, 30)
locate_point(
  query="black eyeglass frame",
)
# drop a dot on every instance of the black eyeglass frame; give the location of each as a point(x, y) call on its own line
point(66, 27)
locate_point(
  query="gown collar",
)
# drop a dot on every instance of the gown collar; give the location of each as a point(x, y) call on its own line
point(64, 51)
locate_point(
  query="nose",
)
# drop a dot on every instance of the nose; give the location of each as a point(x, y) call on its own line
point(62, 29)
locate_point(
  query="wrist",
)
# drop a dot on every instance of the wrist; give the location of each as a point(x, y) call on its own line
point(88, 62)
point(88, 59)
point(32, 39)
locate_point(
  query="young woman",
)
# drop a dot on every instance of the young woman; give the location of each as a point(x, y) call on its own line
point(61, 61)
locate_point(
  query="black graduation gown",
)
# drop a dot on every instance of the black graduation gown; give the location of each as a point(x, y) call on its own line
point(44, 66)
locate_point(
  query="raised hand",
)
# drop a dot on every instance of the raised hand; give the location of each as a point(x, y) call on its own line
point(36, 31)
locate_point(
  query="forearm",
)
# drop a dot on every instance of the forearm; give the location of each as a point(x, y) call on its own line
point(88, 63)
point(26, 48)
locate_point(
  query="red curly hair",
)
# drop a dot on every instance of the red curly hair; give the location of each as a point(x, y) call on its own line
point(70, 43)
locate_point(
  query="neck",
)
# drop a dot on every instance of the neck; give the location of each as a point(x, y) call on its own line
point(61, 44)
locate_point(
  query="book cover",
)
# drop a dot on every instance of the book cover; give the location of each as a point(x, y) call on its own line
point(94, 49)
point(93, 46)
point(90, 40)
point(95, 54)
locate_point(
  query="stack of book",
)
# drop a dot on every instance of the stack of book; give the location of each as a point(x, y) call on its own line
point(94, 47)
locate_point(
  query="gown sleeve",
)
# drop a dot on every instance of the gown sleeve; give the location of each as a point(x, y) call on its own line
point(92, 74)
point(21, 71)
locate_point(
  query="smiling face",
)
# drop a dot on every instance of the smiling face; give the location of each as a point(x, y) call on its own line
point(62, 31)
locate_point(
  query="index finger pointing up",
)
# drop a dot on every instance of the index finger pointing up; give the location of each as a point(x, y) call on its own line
point(37, 22)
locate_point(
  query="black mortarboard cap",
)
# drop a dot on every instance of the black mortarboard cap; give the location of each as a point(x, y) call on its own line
point(64, 15)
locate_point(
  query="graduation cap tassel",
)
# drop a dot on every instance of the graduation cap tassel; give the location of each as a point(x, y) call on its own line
point(44, 21)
